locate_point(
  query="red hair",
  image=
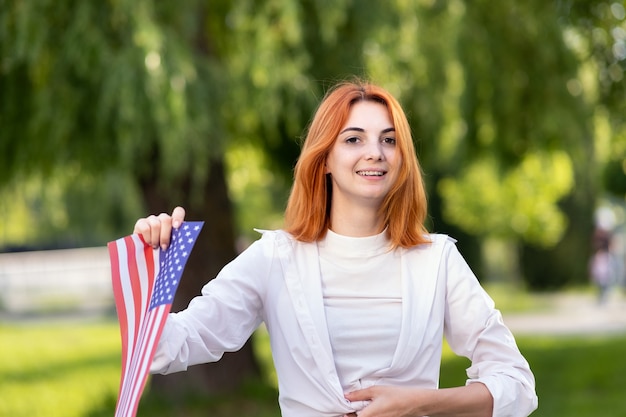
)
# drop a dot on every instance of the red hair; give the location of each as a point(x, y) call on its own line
point(404, 209)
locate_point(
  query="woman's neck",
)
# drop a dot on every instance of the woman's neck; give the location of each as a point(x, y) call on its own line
point(357, 222)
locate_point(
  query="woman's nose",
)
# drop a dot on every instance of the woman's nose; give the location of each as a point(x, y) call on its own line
point(374, 151)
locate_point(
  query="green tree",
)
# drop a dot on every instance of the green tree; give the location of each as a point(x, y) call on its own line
point(132, 86)
point(524, 121)
point(597, 32)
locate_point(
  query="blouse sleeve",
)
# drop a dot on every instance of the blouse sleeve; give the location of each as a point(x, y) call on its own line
point(222, 318)
point(475, 329)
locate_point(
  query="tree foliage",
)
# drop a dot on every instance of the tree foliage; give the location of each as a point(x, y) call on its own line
point(132, 83)
point(597, 32)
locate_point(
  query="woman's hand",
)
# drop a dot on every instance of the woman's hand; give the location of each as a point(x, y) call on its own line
point(472, 400)
point(388, 401)
point(157, 230)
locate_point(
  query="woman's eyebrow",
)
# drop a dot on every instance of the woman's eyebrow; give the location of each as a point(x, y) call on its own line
point(347, 129)
point(358, 129)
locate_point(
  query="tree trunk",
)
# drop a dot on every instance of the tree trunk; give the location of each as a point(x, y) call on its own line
point(214, 248)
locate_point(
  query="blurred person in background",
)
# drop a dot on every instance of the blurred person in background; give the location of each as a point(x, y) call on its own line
point(355, 293)
point(604, 267)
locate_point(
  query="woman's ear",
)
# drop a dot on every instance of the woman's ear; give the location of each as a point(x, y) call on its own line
point(326, 167)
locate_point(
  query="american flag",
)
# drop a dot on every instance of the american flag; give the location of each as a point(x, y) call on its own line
point(144, 283)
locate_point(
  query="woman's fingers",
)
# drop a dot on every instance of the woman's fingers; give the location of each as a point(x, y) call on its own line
point(178, 216)
point(165, 230)
point(156, 231)
point(154, 236)
point(142, 227)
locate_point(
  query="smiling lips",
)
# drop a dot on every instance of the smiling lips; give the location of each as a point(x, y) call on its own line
point(371, 173)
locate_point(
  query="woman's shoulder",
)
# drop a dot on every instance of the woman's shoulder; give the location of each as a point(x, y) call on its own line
point(436, 245)
point(273, 234)
point(264, 247)
point(434, 240)
point(275, 237)
point(278, 242)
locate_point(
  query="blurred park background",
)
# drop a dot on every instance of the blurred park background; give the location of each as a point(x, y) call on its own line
point(112, 110)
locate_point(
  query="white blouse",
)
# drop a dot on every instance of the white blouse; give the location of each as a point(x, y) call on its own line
point(362, 290)
point(277, 281)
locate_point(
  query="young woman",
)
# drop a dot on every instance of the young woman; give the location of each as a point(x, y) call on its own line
point(355, 294)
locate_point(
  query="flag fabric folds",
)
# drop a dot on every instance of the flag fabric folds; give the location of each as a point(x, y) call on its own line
point(144, 284)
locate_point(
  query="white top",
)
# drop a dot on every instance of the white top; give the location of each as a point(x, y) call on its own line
point(362, 289)
point(277, 281)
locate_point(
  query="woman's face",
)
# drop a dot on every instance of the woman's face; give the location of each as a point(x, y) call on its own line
point(364, 161)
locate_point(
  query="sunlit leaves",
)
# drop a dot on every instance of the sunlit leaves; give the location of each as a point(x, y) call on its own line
point(519, 201)
point(266, 61)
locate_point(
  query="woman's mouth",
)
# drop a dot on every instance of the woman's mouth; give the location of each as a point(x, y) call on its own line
point(371, 173)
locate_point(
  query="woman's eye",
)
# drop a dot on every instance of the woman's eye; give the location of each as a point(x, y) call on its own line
point(390, 141)
point(352, 139)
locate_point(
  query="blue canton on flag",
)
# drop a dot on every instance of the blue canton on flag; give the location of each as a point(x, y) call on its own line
point(172, 262)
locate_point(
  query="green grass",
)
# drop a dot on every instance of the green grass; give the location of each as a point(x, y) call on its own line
point(72, 370)
point(59, 370)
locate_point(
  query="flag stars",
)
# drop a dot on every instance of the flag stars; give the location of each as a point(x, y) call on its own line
point(172, 263)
